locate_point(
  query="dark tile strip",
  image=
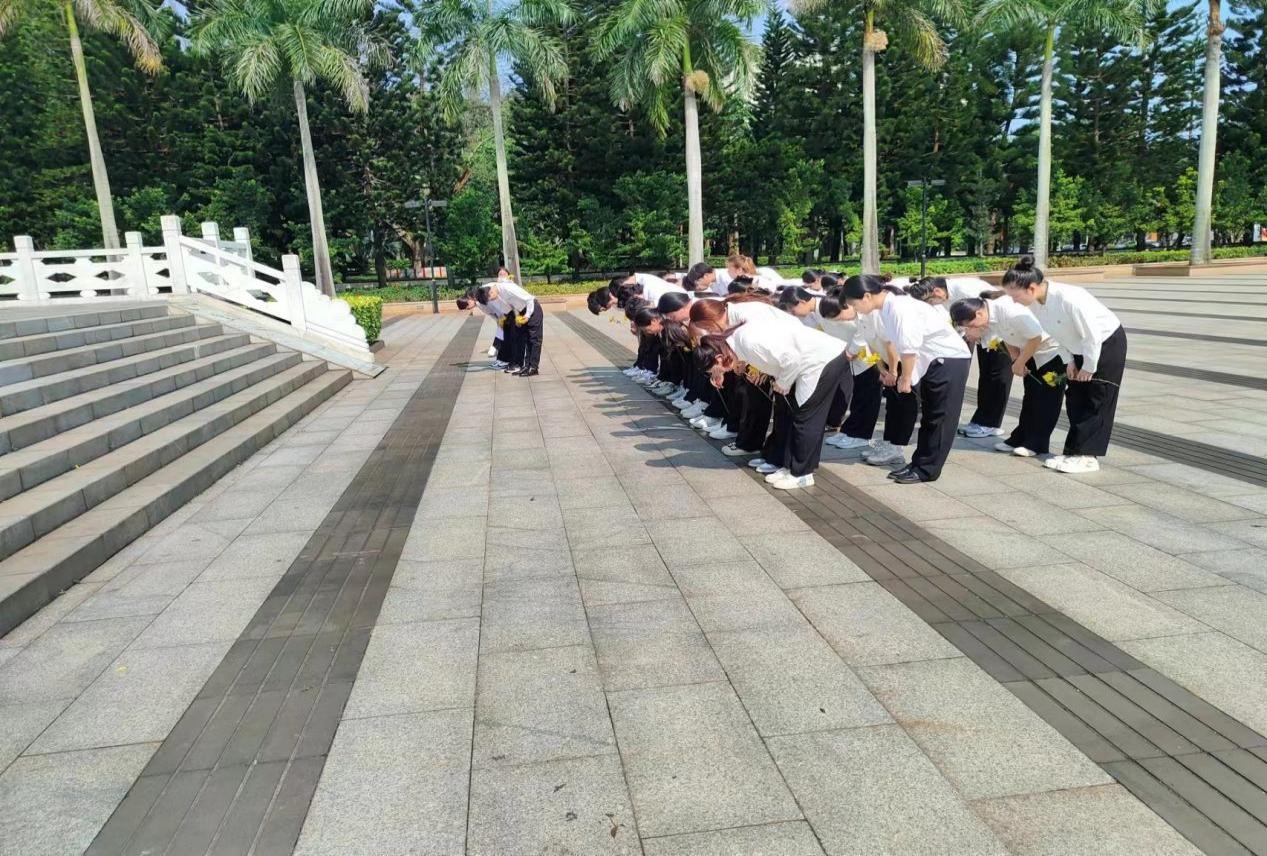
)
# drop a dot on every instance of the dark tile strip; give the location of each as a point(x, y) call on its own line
point(1178, 754)
point(1247, 381)
point(1182, 299)
point(1204, 337)
point(1119, 310)
point(237, 772)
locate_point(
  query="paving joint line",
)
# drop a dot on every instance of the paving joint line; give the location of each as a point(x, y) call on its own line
point(389, 484)
point(1198, 817)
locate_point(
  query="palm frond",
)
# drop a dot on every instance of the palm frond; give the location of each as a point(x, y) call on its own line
point(256, 68)
point(921, 37)
point(11, 11)
point(1012, 15)
point(664, 46)
point(541, 54)
point(110, 17)
point(1123, 19)
point(342, 71)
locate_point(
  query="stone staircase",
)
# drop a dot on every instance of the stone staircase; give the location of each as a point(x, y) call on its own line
point(112, 419)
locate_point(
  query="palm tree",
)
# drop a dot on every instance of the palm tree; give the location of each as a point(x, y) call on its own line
point(698, 45)
point(473, 40)
point(913, 22)
point(116, 19)
point(1123, 19)
point(308, 41)
point(1209, 135)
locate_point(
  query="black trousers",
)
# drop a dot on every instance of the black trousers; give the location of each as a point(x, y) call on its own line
point(840, 401)
point(532, 334)
point(776, 451)
point(901, 411)
point(720, 401)
point(994, 385)
point(755, 407)
point(940, 400)
point(805, 440)
point(648, 353)
point(1040, 408)
point(513, 338)
point(1093, 404)
point(671, 366)
point(499, 348)
point(864, 408)
point(699, 386)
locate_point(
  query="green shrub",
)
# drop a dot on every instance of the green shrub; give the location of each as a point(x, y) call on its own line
point(368, 312)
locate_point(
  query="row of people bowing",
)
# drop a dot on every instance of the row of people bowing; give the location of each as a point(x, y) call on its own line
point(778, 369)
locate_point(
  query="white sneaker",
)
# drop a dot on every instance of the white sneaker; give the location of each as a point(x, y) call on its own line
point(680, 392)
point(976, 432)
point(664, 390)
point(765, 469)
point(781, 472)
point(844, 441)
point(710, 423)
point(695, 409)
point(492, 350)
point(698, 421)
point(791, 482)
point(1022, 452)
point(756, 462)
point(1075, 464)
point(1053, 462)
point(885, 454)
point(730, 450)
point(499, 364)
point(721, 432)
point(683, 404)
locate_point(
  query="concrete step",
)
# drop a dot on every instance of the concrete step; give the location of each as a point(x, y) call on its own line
point(85, 316)
point(35, 574)
point(34, 465)
point(31, 426)
point(44, 343)
point(35, 513)
point(19, 397)
point(179, 329)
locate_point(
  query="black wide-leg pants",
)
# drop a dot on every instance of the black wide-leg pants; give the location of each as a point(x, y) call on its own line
point(1040, 408)
point(864, 408)
point(532, 333)
point(940, 400)
point(807, 421)
point(1092, 405)
point(994, 386)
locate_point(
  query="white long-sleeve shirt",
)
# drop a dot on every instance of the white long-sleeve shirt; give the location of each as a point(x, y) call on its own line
point(755, 310)
point(653, 287)
point(1077, 321)
point(495, 309)
point(793, 355)
point(914, 327)
point(1016, 325)
point(966, 286)
point(721, 281)
point(516, 297)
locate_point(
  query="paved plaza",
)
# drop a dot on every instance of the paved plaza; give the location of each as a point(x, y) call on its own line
point(453, 611)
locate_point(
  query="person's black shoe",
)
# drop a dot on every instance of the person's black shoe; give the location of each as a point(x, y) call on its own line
point(895, 473)
point(528, 373)
point(908, 477)
point(513, 369)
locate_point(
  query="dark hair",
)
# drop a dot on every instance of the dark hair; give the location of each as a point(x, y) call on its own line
point(1023, 274)
point(632, 306)
point(711, 347)
point(674, 334)
point(965, 309)
point(481, 294)
point(792, 295)
point(672, 301)
point(465, 302)
point(645, 315)
point(829, 281)
point(697, 272)
point(811, 276)
point(741, 284)
point(922, 289)
point(627, 292)
point(599, 299)
point(859, 286)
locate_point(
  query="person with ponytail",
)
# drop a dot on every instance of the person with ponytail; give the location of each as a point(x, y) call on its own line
point(805, 367)
point(933, 370)
point(1036, 359)
point(818, 312)
point(994, 365)
point(702, 278)
point(497, 310)
point(1095, 338)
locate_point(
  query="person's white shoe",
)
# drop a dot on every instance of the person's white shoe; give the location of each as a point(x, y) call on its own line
point(1075, 464)
point(976, 432)
point(771, 478)
point(844, 441)
point(791, 482)
point(696, 408)
point(499, 364)
point(710, 423)
point(1053, 462)
point(765, 469)
point(664, 390)
point(677, 393)
point(1022, 452)
point(682, 403)
point(721, 432)
point(698, 421)
point(730, 450)
point(756, 462)
point(492, 350)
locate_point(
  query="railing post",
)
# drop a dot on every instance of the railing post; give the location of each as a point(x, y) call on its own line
point(175, 254)
point(242, 235)
point(293, 282)
point(211, 235)
point(140, 286)
point(28, 283)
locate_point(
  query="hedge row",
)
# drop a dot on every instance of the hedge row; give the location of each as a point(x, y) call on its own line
point(367, 309)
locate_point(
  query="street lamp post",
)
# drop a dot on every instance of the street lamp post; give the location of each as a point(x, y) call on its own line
point(924, 184)
point(428, 255)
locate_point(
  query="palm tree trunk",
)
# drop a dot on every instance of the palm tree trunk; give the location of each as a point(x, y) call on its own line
point(510, 242)
point(1209, 138)
point(320, 249)
point(100, 178)
point(870, 220)
point(1042, 209)
point(694, 179)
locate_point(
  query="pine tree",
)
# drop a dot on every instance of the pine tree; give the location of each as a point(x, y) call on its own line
point(778, 54)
